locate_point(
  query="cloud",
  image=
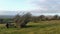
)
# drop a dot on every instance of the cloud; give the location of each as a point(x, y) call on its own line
point(48, 6)
point(35, 6)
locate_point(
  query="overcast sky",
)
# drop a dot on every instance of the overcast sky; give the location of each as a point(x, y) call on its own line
point(10, 7)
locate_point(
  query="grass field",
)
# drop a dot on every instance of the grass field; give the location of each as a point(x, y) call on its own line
point(43, 27)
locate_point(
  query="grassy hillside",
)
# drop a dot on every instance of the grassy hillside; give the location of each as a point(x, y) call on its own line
point(43, 27)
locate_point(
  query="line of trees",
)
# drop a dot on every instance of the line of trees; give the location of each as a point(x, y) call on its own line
point(22, 20)
point(45, 18)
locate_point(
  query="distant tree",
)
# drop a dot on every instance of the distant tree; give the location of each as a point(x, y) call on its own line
point(55, 17)
point(42, 17)
point(1, 21)
point(35, 19)
point(59, 17)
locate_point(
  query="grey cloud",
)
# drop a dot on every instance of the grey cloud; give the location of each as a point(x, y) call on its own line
point(53, 6)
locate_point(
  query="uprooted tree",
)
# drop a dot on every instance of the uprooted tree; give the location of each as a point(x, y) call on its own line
point(22, 20)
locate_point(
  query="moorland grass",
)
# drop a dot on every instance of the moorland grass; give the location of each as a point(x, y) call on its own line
point(42, 27)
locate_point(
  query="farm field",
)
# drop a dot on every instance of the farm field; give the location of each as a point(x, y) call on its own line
point(42, 27)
